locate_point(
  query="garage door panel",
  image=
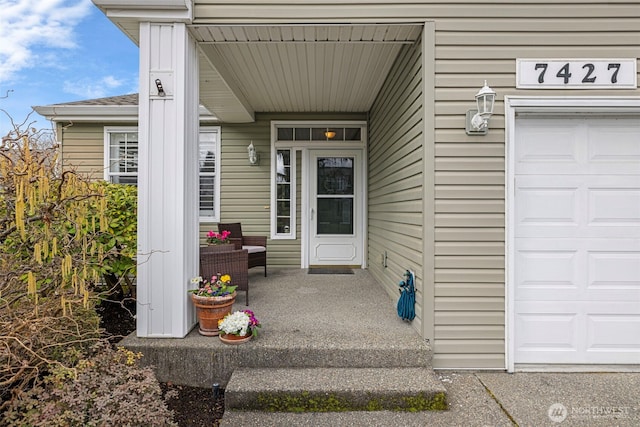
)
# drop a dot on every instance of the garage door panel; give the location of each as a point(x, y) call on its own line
point(613, 332)
point(614, 207)
point(540, 207)
point(576, 229)
point(547, 274)
point(615, 271)
point(546, 332)
point(552, 148)
point(613, 147)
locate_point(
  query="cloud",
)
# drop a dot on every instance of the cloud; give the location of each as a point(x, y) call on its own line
point(94, 88)
point(26, 25)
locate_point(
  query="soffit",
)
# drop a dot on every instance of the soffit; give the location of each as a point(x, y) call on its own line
point(295, 68)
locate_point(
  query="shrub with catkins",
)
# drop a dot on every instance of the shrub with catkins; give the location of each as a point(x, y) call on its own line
point(55, 246)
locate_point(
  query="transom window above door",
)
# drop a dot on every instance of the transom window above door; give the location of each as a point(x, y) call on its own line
point(306, 133)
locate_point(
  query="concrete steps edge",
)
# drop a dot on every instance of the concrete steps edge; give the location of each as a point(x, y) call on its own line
point(335, 390)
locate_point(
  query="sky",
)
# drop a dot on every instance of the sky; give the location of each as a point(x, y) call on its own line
point(56, 51)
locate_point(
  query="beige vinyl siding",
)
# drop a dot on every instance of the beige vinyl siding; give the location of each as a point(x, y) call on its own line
point(296, 11)
point(470, 206)
point(83, 147)
point(396, 177)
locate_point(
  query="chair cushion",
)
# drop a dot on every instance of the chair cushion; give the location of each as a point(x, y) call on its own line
point(254, 249)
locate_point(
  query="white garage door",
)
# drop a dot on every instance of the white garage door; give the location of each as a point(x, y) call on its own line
point(577, 240)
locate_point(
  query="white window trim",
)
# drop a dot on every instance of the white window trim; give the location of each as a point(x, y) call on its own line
point(274, 195)
point(108, 130)
point(216, 202)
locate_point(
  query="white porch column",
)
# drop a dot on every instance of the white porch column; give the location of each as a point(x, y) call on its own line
point(167, 180)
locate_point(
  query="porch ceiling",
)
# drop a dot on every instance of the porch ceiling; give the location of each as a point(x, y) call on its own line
point(295, 68)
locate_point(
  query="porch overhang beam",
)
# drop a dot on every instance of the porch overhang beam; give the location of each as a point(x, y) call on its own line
point(218, 91)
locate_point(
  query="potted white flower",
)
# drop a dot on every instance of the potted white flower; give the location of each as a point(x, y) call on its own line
point(238, 327)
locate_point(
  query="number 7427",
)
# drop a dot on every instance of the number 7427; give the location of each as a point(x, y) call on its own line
point(588, 72)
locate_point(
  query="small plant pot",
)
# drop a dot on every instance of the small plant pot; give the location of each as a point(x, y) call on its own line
point(234, 339)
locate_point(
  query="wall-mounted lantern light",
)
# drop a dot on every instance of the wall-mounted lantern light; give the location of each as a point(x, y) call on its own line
point(254, 157)
point(478, 120)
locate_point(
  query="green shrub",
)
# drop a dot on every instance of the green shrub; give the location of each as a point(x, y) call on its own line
point(118, 242)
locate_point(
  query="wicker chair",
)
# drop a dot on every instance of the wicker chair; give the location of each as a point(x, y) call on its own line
point(255, 245)
point(225, 259)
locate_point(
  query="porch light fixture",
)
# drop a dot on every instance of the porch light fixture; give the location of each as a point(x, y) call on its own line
point(478, 120)
point(161, 91)
point(254, 157)
point(329, 134)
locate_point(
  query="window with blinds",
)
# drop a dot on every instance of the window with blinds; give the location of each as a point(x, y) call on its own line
point(121, 158)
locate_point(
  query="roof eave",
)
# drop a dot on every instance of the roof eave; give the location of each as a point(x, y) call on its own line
point(58, 113)
point(101, 113)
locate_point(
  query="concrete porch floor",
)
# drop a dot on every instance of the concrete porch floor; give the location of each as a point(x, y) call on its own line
point(308, 320)
point(326, 310)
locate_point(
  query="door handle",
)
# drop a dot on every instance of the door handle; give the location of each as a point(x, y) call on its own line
point(312, 212)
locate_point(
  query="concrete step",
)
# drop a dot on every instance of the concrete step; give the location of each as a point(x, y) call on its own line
point(201, 361)
point(337, 419)
point(334, 390)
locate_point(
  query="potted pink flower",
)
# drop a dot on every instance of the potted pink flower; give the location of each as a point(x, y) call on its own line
point(215, 238)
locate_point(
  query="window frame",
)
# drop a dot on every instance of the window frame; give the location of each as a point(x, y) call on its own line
point(291, 235)
point(109, 130)
point(216, 199)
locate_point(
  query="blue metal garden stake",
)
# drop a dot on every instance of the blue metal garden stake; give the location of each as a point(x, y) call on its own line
point(407, 301)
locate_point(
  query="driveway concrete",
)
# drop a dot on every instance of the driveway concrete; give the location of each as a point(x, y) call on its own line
point(495, 399)
point(566, 399)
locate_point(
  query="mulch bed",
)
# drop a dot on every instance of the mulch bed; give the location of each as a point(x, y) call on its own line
point(192, 406)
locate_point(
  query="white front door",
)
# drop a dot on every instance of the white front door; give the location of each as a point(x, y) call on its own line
point(577, 240)
point(336, 207)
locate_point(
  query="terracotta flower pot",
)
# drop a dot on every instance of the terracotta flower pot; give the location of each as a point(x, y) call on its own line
point(234, 339)
point(210, 310)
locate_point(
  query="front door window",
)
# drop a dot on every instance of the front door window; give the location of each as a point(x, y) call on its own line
point(335, 195)
point(335, 207)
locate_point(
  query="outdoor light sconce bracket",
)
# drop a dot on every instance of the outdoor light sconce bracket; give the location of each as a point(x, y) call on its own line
point(161, 84)
point(475, 124)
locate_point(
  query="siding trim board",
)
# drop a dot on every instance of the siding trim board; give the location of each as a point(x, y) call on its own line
point(428, 197)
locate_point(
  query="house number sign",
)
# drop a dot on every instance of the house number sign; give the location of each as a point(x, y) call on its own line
point(576, 73)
